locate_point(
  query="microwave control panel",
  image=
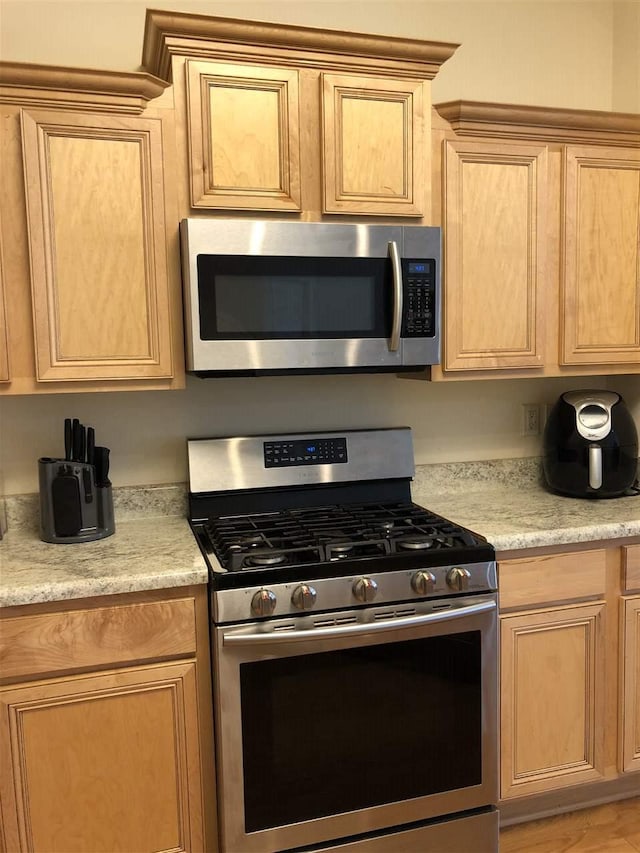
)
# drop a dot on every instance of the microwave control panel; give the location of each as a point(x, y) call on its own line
point(419, 286)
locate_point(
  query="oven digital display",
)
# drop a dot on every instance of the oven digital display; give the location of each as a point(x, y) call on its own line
point(312, 451)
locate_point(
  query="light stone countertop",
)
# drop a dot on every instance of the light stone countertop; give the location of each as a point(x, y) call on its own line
point(506, 502)
point(153, 546)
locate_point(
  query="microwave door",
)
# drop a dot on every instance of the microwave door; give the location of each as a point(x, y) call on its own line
point(282, 313)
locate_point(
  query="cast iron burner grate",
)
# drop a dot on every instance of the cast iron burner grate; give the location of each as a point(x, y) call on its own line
point(328, 534)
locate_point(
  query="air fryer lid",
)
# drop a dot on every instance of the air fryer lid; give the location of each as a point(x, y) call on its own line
point(593, 412)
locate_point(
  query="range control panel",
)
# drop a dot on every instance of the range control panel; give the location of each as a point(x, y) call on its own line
point(312, 451)
point(419, 282)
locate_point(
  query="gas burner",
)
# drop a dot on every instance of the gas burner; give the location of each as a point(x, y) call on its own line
point(416, 543)
point(338, 548)
point(385, 525)
point(266, 560)
point(251, 541)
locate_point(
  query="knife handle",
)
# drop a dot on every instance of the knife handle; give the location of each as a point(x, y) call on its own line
point(75, 440)
point(101, 455)
point(82, 444)
point(91, 444)
point(68, 440)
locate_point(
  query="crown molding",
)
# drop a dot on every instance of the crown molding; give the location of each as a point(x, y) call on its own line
point(170, 34)
point(546, 124)
point(58, 87)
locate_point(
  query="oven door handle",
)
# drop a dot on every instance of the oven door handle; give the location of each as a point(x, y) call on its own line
point(396, 322)
point(380, 627)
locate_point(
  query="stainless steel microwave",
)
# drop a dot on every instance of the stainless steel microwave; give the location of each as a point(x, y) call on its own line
point(267, 297)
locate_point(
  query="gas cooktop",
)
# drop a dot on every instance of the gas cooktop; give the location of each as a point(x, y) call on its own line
point(330, 533)
point(324, 520)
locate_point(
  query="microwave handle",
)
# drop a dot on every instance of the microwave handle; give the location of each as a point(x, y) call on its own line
point(396, 271)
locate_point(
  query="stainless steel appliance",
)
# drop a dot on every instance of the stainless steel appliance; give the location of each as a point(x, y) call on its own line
point(590, 446)
point(309, 297)
point(354, 649)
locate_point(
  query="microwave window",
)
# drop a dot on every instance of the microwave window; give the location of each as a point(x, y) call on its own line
point(284, 298)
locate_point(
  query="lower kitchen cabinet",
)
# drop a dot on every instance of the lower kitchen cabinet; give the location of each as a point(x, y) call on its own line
point(630, 692)
point(553, 682)
point(570, 677)
point(115, 759)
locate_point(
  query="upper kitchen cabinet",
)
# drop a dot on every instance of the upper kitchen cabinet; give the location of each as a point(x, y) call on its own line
point(243, 136)
point(540, 210)
point(601, 256)
point(89, 232)
point(293, 119)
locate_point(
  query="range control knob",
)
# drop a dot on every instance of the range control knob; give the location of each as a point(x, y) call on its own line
point(458, 579)
point(303, 597)
point(423, 582)
point(365, 589)
point(263, 603)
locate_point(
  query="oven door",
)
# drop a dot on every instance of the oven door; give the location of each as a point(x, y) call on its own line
point(338, 725)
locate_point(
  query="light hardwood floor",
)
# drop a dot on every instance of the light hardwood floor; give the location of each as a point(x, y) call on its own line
point(611, 828)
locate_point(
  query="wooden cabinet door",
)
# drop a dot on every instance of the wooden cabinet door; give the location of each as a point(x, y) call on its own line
point(601, 256)
point(552, 698)
point(244, 136)
point(102, 762)
point(373, 147)
point(95, 191)
point(495, 199)
point(630, 693)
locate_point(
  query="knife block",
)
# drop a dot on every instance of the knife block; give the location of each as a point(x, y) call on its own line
point(72, 507)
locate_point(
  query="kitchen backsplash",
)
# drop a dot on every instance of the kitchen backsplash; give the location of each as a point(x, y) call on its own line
point(135, 502)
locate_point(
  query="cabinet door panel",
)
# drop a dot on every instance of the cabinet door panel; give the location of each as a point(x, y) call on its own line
point(107, 762)
point(494, 249)
point(372, 145)
point(243, 136)
point(601, 251)
point(97, 237)
point(630, 694)
point(552, 698)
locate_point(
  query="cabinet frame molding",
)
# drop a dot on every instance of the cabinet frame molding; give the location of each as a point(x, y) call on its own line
point(170, 34)
point(5, 373)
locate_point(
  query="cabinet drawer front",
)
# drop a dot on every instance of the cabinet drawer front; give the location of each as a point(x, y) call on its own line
point(52, 642)
point(631, 562)
point(553, 577)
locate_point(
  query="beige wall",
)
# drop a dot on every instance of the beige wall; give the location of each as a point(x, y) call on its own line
point(548, 52)
point(572, 54)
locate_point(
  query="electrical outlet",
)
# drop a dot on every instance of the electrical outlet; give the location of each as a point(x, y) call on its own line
point(530, 419)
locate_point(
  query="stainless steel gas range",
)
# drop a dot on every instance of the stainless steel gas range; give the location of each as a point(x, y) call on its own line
point(354, 641)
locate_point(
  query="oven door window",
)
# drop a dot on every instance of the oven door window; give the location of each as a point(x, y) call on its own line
point(345, 730)
point(284, 298)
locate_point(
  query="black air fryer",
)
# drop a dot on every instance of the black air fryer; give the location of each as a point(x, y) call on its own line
point(590, 445)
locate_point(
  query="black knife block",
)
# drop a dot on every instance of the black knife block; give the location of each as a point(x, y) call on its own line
point(72, 507)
